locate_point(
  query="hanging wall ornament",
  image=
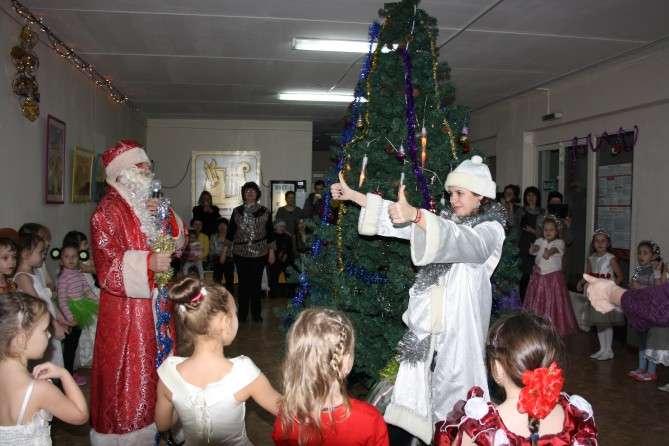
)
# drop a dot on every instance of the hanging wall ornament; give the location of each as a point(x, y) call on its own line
point(25, 84)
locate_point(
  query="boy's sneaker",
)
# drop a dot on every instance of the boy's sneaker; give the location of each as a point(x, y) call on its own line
point(635, 373)
point(80, 380)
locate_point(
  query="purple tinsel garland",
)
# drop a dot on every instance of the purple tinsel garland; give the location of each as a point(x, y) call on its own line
point(411, 130)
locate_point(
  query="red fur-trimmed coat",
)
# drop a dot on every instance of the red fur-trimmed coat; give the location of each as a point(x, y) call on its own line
point(123, 379)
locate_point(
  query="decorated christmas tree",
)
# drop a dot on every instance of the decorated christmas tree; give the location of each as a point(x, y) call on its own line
point(402, 126)
point(505, 293)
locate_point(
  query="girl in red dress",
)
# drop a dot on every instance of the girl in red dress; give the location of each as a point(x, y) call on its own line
point(523, 352)
point(315, 409)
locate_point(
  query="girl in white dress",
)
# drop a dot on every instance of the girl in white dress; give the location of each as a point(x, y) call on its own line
point(29, 281)
point(206, 390)
point(28, 401)
point(603, 264)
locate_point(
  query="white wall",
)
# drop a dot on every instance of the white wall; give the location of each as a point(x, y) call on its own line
point(623, 93)
point(284, 146)
point(92, 121)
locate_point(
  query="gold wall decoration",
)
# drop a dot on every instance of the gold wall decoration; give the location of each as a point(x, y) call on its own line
point(25, 84)
point(222, 174)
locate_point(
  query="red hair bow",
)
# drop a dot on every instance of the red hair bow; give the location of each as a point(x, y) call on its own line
point(541, 392)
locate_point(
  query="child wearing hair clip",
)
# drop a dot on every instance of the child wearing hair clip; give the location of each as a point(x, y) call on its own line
point(603, 264)
point(202, 387)
point(547, 294)
point(523, 354)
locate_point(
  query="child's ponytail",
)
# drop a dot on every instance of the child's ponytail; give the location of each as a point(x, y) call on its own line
point(195, 305)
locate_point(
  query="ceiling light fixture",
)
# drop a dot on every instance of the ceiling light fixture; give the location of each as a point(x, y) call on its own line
point(339, 46)
point(317, 96)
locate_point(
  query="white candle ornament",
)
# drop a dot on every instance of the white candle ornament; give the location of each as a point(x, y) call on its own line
point(361, 181)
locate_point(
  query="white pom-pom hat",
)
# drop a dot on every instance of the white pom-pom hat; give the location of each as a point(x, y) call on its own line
point(473, 175)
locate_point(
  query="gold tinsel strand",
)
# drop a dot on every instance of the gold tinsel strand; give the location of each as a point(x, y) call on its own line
point(340, 237)
point(449, 131)
point(164, 243)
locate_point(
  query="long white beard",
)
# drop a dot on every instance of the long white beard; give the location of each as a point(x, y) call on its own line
point(135, 186)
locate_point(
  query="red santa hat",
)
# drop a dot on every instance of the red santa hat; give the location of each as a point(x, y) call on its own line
point(126, 153)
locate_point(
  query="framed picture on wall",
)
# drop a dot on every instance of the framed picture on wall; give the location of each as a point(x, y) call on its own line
point(55, 161)
point(222, 174)
point(82, 175)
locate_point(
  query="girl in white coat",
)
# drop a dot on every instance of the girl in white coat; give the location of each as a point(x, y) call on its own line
point(442, 354)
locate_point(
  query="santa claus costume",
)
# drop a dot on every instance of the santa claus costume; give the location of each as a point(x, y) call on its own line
point(124, 378)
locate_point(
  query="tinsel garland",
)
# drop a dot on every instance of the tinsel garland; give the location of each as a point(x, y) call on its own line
point(411, 129)
point(369, 278)
point(164, 242)
point(346, 139)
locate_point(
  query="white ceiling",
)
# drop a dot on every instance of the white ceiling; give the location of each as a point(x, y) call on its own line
point(230, 58)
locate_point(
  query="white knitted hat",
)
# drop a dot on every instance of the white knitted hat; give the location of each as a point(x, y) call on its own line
point(474, 176)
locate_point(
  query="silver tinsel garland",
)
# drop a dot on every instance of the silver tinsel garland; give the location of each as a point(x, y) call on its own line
point(412, 350)
point(428, 275)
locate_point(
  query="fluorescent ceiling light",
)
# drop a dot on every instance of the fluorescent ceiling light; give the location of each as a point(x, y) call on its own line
point(317, 96)
point(339, 46)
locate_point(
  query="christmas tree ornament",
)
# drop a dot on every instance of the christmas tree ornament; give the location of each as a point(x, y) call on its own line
point(361, 179)
point(433, 205)
point(390, 149)
point(423, 146)
point(359, 124)
point(401, 154)
point(464, 140)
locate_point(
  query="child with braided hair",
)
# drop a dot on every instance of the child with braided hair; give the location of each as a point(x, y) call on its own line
point(203, 388)
point(523, 354)
point(315, 408)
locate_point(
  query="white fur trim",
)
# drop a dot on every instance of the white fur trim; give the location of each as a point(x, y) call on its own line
point(141, 437)
point(136, 274)
point(129, 158)
point(425, 243)
point(368, 222)
point(411, 422)
point(473, 183)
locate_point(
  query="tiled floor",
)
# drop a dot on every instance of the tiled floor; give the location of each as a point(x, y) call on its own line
point(627, 413)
